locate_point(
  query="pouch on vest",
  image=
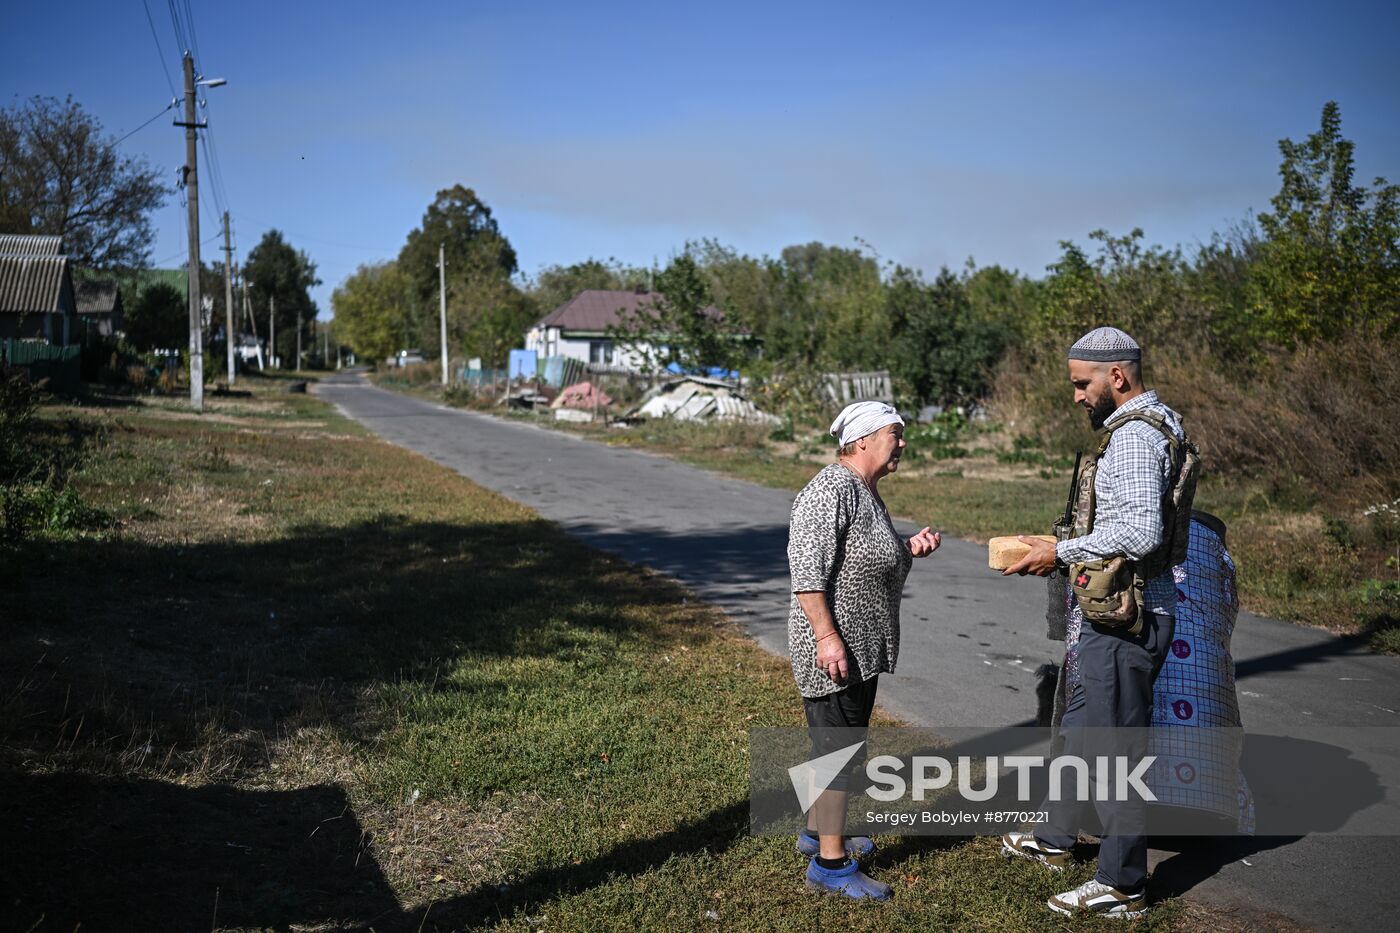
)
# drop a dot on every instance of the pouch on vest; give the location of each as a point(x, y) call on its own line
point(1109, 593)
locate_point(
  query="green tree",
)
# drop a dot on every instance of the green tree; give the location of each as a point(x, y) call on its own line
point(61, 175)
point(275, 269)
point(943, 351)
point(373, 310)
point(158, 319)
point(836, 307)
point(554, 285)
point(482, 299)
point(682, 325)
point(1330, 259)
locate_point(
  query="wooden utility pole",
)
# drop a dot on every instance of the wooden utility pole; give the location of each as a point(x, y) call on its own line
point(192, 200)
point(272, 331)
point(228, 300)
point(252, 320)
point(442, 309)
point(299, 327)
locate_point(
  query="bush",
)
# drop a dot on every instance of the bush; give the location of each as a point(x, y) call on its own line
point(1323, 417)
point(33, 490)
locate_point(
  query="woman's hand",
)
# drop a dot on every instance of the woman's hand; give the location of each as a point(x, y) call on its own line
point(831, 657)
point(925, 543)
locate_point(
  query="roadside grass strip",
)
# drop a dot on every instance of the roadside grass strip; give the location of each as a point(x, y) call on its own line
point(311, 681)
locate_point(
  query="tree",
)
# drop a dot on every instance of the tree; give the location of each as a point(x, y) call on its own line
point(555, 285)
point(158, 319)
point(681, 325)
point(276, 269)
point(1330, 259)
point(373, 310)
point(480, 263)
point(60, 175)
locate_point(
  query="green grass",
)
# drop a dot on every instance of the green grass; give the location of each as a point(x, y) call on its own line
point(311, 681)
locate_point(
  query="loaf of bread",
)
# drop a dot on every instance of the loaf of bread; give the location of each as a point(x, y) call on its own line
point(1004, 552)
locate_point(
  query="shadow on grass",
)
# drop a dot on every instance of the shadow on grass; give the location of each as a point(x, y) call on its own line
point(122, 662)
point(121, 853)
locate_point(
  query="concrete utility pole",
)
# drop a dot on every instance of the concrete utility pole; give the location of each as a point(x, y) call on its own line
point(442, 309)
point(272, 331)
point(192, 199)
point(228, 300)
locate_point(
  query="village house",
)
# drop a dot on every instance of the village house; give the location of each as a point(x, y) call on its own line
point(579, 329)
point(99, 304)
point(37, 299)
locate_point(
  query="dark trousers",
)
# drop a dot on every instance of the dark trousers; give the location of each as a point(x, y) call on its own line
point(845, 710)
point(1115, 690)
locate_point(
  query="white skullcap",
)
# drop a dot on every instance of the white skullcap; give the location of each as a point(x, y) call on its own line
point(861, 418)
point(1105, 345)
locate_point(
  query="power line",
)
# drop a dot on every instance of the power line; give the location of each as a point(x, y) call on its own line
point(147, 123)
point(175, 23)
point(185, 251)
point(314, 239)
point(189, 26)
point(214, 185)
point(216, 168)
point(159, 51)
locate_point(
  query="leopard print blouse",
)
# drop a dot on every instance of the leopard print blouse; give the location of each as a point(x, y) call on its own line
point(841, 542)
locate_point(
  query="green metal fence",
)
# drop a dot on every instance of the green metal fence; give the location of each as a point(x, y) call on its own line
point(61, 366)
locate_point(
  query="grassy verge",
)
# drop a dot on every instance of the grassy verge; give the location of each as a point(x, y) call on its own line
point(310, 681)
point(1302, 556)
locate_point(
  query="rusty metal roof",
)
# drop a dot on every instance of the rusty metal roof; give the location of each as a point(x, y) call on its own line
point(597, 309)
point(26, 244)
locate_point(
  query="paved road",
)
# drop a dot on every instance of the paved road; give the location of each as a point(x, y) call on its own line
point(970, 642)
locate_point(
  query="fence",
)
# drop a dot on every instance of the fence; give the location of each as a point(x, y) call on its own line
point(61, 366)
point(480, 378)
point(844, 388)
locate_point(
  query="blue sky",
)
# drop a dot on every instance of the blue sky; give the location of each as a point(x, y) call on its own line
point(932, 131)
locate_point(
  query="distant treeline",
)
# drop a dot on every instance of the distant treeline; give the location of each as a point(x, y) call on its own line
point(1282, 301)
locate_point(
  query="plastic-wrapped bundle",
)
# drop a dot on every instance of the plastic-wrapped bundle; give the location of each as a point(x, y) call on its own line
point(1196, 688)
point(1197, 769)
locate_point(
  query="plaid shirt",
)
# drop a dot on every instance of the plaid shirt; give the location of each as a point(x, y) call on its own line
point(1133, 475)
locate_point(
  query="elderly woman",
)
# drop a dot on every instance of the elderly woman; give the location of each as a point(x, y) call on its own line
point(848, 567)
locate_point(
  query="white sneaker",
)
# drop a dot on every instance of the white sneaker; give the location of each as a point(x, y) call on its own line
point(1095, 897)
point(1026, 845)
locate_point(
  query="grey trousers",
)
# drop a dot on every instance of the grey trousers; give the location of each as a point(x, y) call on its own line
point(1115, 689)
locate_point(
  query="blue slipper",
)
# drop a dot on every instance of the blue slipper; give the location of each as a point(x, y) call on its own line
point(848, 880)
point(856, 846)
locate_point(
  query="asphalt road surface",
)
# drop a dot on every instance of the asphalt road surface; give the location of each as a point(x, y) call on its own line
point(971, 640)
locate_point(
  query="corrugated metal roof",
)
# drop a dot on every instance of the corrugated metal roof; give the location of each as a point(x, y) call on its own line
point(96, 296)
point(27, 244)
point(597, 309)
point(32, 283)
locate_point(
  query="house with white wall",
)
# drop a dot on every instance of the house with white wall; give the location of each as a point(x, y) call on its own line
point(578, 329)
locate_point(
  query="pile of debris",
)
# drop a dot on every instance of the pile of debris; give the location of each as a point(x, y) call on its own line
point(580, 402)
point(698, 398)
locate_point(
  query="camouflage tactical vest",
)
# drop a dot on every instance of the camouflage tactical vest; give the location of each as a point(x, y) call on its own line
point(1109, 591)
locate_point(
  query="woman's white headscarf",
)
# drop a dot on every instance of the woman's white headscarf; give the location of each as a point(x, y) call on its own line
point(861, 418)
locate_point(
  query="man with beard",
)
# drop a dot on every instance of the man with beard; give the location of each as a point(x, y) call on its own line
point(1110, 668)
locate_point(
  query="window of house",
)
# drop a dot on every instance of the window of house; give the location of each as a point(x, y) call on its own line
point(600, 351)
